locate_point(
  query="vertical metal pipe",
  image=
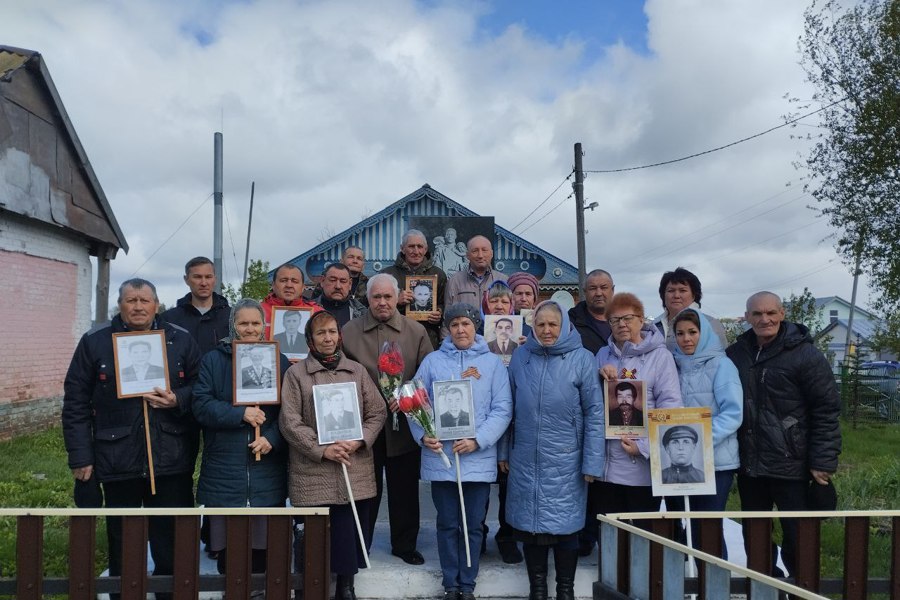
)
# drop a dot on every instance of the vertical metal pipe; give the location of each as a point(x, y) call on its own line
point(247, 250)
point(217, 217)
point(578, 186)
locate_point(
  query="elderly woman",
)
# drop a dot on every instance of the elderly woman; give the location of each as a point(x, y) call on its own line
point(230, 475)
point(678, 290)
point(315, 473)
point(464, 355)
point(709, 379)
point(635, 350)
point(553, 447)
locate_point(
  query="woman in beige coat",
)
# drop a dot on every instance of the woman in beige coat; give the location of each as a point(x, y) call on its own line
point(315, 474)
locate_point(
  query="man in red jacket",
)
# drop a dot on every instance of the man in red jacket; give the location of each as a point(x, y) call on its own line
point(287, 290)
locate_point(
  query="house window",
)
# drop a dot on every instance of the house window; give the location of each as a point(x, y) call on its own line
point(832, 316)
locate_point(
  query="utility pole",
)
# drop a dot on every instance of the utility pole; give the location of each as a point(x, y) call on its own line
point(578, 186)
point(247, 250)
point(217, 215)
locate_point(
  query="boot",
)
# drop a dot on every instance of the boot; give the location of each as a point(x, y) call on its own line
point(536, 562)
point(565, 561)
point(343, 588)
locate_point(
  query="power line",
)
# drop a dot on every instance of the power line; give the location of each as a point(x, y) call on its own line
point(233, 251)
point(546, 214)
point(544, 201)
point(183, 223)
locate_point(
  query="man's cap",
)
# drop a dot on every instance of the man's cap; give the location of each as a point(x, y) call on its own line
point(522, 278)
point(678, 432)
point(462, 309)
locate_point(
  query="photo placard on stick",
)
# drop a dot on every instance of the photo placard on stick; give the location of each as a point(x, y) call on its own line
point(257, 373)
point(424, 291)
point(681, 452)
point(288, 325)
point(625, 400)
point(527, 316)
point(141, 364)
point(337, 412)
point(502, 333)
point(454, 409)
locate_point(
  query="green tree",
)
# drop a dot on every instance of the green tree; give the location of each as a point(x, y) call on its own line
point(256, 287)
point(802, 309)
point(733, 328)
point(851, 56)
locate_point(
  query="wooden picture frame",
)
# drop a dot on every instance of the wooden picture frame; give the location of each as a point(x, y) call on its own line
point(681, 452)
point(338, 415)
point(625, 422)
point(422, 307)
point(454, 409)
point(141, 363)
point(256, 368)
point(283, 322)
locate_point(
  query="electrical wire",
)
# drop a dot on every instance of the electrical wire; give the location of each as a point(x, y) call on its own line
point(546, 214)
point(233, 251)
point(544, 201)
point(177, 229)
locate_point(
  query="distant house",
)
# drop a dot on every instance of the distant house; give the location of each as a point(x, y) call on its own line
point(835, 315)
point(53, 217)
point(380, 234)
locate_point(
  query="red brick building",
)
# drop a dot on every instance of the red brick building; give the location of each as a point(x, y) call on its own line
point(53, 217)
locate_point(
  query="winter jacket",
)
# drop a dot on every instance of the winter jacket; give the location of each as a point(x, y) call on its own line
point(664, 324)
point(493, 409)
point(107, 432)
point(363, 339)
point(593, 335)
point(652, 364)
point(463, 287)
point(272, 300)
point(230, 475)
point(345, 311)
point(400, 270)
point(709, 379)
point(791, 406)
point(206, 328)
point(556, 436)
point(313, 479)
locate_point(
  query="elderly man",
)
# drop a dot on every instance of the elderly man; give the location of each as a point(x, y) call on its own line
point(470, 284)
point(414, 260)
point(201, 311)
point(790, 437)
point(336, 297)
point(105, 436)
point(396, 453)
point(287, 290)
point(355, 260)
point(589, 315)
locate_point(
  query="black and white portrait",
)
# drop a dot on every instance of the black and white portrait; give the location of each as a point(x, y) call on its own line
point(424, 299)
point(502, 332)
point(140, 363)
point(681, 453)
point(337, 412)
point(447, 237)
point(454, 409)
point(288, 325)
point(680, 443)
point(256, 373)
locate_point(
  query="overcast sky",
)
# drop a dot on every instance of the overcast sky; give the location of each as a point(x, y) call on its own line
point(337, 109)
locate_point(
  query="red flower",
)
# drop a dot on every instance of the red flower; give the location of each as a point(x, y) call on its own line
point(390, 361)
point(420, 398)
point(406, 403)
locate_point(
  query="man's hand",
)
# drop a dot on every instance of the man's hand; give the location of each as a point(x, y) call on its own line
point(161, 399)
point(83, 473)
point(434, 316)
point(393, 405)
point(404, 297)
point(465, 446)
point(254, 416)
point(821, 477)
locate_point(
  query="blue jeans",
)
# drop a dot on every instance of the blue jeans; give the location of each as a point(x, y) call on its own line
point(450, 542)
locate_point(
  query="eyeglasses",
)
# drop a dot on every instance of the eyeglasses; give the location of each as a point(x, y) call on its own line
point(627, 319)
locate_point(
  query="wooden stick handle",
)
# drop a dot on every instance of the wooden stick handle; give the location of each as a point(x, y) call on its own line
point(149, 449)
point(256, 438)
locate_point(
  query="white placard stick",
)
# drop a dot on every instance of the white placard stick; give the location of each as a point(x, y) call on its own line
point(462, 506)
point(149, 450)
point(362, 540)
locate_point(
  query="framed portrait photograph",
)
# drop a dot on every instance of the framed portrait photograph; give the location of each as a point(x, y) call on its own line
point(257, 373)
point(288, 326)
point(502, 333)
point(681, 452)
point(424, 291)
point(337, 412)
point(624, 401)
point(141, 365)
point(454, 409)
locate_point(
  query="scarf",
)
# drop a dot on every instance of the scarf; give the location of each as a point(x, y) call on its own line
point(329, 361)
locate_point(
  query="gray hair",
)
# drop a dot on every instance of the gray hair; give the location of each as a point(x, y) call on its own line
point(239, 306)
point(413, 233)
point(764, 294)
point(136, 283)
point(596, 273)
point(382, 277)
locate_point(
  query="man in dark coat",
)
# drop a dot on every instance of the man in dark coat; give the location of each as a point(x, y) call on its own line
point(589, 315)
point(105, 436)
point(201, 311)
point(335, 295)
point(790, 437)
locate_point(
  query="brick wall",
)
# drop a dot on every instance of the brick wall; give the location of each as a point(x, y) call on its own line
point(45, 306)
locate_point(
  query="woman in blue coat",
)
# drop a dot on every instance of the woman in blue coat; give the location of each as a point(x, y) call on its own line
point(230, 475)
point(553, 448)
point(464, 355)
point(709, 379)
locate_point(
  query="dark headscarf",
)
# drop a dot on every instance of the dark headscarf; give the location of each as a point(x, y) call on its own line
point(329, 361)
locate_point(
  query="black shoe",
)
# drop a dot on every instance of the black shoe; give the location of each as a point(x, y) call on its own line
point(466, 596)
point(451, 595)
point(343, 588)
point(509, 552)
point(413, 557)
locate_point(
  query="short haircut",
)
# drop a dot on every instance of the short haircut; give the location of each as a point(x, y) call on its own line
point(382, 278)
point(423, 283)
point(290, 313)
point(196, 262)
point(625, 300)
point(680, 275)
point(288, 266)
point(338, 266)
point(624, 386)
point(136, 283)
point(476, 238)
point(687, 315)
point(348, 248)
point(595, 273)
point(132, 345)
point(764, 294)
point(413, 233)
point(498, 321)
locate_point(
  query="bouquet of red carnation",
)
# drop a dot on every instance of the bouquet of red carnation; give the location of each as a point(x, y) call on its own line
point(390, 374)
point(413, 403)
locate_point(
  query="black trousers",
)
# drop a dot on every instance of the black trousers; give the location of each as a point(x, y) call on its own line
point(346, 554)
point(611, 498)
point(171, 491)
point(761, 493)
point(403, 495)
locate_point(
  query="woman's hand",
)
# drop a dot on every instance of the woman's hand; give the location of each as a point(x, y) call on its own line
point(432, 443)
point(503, 465)
point(630, 446)
point(261, 446)
point(254, 416)
point(341, 451)
point(589, 478)
point(608, 372)
point(465, 446)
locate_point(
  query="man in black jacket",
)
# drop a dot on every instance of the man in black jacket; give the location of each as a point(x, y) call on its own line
point(790, 437)
point(589, 315)
point(105, 436)
point(201, 311)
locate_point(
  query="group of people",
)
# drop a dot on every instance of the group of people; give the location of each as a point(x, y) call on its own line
point(538, 422)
